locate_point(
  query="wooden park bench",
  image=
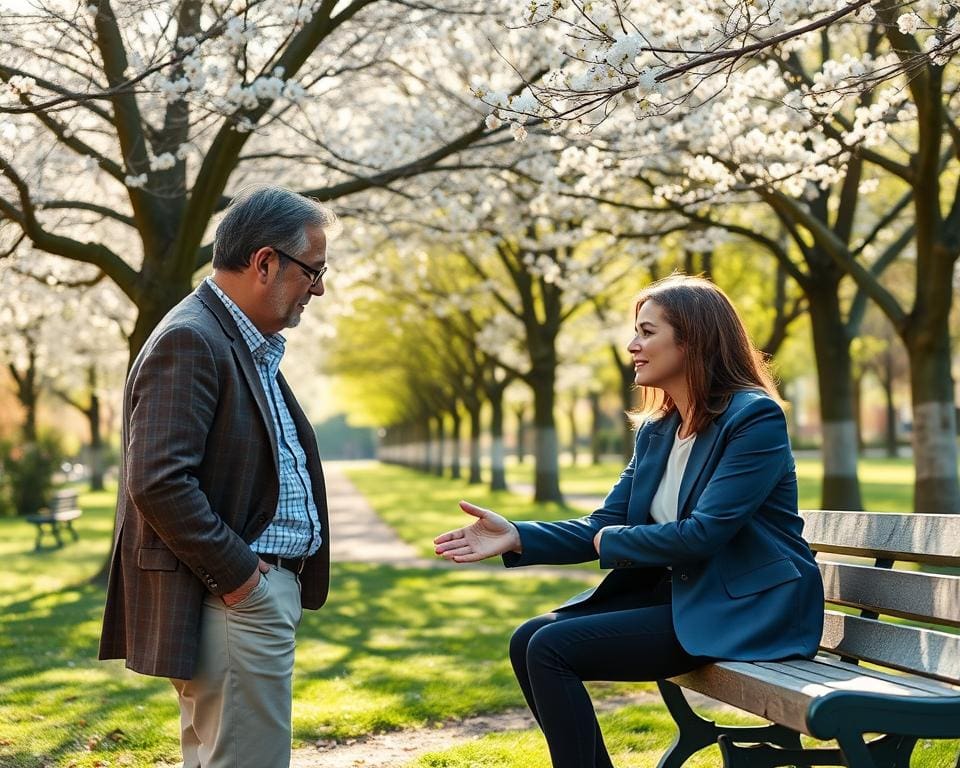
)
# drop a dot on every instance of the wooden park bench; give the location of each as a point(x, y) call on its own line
point(64, 508)
point(875, 712)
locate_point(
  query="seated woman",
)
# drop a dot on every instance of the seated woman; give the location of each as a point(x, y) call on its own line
point(701, 530)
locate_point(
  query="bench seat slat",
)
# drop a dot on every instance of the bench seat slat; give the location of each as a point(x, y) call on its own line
point(920, 538)
point(782, 691)
point(767, 693)
point(829, 668)
point(907, 594)
point(911, 649)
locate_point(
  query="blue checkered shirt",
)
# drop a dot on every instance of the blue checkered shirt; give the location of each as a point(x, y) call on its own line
point(295, 530)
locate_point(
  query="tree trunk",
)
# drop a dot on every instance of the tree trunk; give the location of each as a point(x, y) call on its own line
point(498, 473)
point(574, 436)
point(841, 487)
point(441, 459)
point(28, 394)
point(627, 385)
point(521, 447)
point(934, 428)
point(891, 425)
point(96, 444)
point(455, 443)
point(426, 450)
point(857, 397)
point(546, 485)
point(596, 420)
point(474, 410)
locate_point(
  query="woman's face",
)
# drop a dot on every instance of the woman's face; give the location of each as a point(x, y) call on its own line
point(658, 361)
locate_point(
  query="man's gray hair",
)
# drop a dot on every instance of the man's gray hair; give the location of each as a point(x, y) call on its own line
point(268, 215)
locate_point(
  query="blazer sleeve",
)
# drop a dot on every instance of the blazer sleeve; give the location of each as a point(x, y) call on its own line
point(754, 460)
point(173, 403)
point(571, 541)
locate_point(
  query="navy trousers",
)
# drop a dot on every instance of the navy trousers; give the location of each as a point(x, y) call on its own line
point(553, 654)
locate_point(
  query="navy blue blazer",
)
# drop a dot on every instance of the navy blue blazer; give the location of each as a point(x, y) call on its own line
point(745, 584)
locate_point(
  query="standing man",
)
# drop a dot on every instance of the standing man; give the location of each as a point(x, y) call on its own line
point(221, 534)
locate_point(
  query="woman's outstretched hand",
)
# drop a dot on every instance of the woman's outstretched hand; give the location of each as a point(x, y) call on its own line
point(490, 535)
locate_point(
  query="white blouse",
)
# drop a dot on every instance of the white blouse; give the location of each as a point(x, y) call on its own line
point(663, 508)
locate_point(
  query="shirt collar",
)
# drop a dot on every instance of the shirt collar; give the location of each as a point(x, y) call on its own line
point(269, 348)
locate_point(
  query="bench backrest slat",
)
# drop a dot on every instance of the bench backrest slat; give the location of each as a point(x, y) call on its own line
point(64, 501)
point(933, 539)
point(924, 651)
point(907, 594)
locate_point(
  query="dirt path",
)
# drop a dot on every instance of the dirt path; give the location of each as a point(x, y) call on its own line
point(389, 750)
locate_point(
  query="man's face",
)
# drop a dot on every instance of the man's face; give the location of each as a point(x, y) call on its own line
point(291, 290)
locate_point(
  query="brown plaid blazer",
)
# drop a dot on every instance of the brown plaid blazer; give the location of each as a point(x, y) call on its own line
point(199, 481)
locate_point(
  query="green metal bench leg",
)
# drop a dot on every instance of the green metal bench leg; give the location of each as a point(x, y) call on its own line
point(855, 751)
point(695, 732)
point(73, 533)
point(769, 756)
point(888, 751)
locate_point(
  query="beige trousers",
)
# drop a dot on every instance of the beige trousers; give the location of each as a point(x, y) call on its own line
point(235, 711)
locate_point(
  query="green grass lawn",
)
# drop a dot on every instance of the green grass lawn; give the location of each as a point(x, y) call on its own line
point(393, 648)
point(886, 484)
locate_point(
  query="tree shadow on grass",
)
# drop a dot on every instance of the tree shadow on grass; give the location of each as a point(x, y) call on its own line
point(393, 648)
point(58, 699)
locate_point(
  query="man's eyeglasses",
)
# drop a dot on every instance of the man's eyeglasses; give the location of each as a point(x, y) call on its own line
point(315, 275)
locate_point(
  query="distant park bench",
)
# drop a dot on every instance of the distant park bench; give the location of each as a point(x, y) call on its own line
point(62, 511)
point(905, 694)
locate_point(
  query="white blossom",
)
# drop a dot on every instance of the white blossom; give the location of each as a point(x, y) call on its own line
point(162, 162)
point(493, 122)
point(518, 131)
point(268, 88)
point(21, 85)
point(293, 91)
point(909, 23)
point(136, 182)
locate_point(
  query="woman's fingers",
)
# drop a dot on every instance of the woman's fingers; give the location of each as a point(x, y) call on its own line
point(458, 554)
point(472, 557)
point(447, 544)
point(449, 536)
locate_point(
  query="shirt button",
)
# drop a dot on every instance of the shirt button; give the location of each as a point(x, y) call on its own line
point(684, 577)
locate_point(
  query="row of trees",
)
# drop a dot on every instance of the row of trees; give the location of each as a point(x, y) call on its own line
point(832, 153)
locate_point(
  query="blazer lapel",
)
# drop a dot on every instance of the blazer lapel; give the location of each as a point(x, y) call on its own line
point(702, 448)
point(649, 470)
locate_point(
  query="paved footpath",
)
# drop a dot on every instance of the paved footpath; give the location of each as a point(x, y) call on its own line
point(360, 536)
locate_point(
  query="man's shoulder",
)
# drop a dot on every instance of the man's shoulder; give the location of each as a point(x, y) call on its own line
point(197, 311)
point(191, 322)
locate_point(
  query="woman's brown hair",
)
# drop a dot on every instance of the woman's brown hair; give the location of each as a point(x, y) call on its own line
point(719, 358)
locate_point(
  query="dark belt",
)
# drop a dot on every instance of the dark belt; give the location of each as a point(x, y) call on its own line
point(294, 564)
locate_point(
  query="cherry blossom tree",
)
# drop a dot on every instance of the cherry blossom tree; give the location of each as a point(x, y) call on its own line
point(840, 120)
point(126, 125)
point(63, 336)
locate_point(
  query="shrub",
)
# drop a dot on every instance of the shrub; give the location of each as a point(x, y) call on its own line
point(28, 470)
